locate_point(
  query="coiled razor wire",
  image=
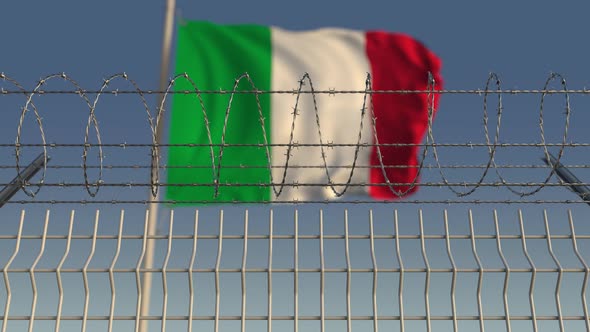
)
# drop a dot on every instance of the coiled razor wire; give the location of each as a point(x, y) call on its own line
point(154, 118)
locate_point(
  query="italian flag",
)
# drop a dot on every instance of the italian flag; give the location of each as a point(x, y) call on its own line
point(324, 127)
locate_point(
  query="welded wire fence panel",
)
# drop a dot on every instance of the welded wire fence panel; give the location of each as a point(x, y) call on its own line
point(493, 239)
point(299, 271)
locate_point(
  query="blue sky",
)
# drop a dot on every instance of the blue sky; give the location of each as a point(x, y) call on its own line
point(521, 41)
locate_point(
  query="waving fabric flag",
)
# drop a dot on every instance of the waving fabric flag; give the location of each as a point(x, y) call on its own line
point(213, 56)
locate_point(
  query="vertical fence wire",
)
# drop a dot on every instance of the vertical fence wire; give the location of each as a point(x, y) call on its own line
point(533, 273)
point(5, 272)
point(32, 272)
point(85, 272)
point(586, 270)
point(454, 269)
point(401, 272)
point(164, 276)
point(296, 271)
point(58, 274)
point(348, 273)
point(506, 274)
point(138, 284)
point(427, 279)
point(480, 272)
point(269, 278)
point(191, 270)
point(559, 273)
point(375, 270)
point(112, 274)
point(217, 272)
point(243, 273)
point(322, 275)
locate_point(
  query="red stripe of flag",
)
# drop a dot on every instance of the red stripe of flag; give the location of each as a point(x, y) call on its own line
point(399, 62)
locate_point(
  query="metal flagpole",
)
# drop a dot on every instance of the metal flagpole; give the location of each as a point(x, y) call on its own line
point(153, 206)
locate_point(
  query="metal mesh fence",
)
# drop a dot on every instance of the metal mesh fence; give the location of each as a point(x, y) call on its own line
point(287, 270)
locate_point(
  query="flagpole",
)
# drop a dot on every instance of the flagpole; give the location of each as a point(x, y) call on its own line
point(146, 286)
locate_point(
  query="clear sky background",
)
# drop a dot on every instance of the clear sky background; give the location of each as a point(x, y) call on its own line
point(521, 41)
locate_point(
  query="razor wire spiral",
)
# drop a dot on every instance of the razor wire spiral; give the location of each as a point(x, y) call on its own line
point(154, 117)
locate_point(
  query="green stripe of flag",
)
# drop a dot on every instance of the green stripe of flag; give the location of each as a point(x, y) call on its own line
point(214, 56)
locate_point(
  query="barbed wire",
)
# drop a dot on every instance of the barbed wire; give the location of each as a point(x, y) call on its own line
point(305, 86)
point(296, 145)
point(427, 166)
